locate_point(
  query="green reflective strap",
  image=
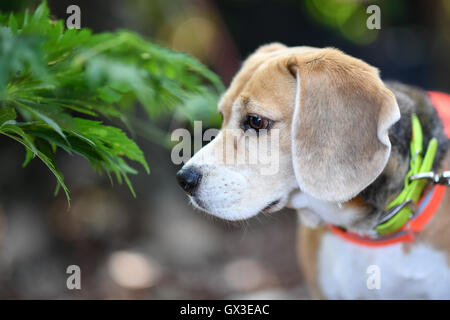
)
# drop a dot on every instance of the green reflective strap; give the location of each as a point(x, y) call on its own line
point(427, 165)
point(395, 223)
point(412, 189)
point(416, 147)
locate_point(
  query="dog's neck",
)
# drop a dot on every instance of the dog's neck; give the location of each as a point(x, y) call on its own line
point(391, 181)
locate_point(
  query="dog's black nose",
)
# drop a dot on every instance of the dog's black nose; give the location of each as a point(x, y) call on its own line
point(189, 179)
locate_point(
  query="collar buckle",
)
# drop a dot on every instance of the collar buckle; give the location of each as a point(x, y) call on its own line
point(442, 178)
point(388, 214)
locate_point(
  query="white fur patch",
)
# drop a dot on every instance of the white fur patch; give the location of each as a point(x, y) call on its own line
point(422, 273)
point(329, 212)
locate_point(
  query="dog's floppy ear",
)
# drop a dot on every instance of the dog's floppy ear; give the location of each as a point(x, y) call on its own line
point(342, 114)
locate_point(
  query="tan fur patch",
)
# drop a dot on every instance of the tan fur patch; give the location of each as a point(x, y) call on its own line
point(308, 243)
point(249, 67)
point(356, 202)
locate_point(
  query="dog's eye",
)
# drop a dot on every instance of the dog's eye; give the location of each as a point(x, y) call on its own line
point(255, 122)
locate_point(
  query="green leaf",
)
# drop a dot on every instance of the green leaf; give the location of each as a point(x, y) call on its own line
point(43, 116)
point(113, 138)
point(20, 136)
point(58, 86)
point(7, 114)
point(29, 155)
point(12, 23)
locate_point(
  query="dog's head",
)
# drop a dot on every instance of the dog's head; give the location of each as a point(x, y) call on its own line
point(330, 114)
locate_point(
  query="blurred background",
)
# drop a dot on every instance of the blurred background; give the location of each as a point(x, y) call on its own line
point(156, 246)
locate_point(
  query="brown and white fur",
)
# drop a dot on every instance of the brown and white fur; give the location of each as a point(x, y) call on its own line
point(344, 153)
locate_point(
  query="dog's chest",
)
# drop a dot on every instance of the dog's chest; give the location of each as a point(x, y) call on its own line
point(349, 271)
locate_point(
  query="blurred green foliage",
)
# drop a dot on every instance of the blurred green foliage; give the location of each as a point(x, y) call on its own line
point(348, 17)
point(56, 85)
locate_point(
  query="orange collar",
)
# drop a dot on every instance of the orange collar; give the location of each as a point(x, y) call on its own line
point(427, 206)
point(433, 199)
point(441, 102)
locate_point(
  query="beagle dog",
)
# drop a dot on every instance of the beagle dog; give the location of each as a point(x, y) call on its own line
point(343, 153)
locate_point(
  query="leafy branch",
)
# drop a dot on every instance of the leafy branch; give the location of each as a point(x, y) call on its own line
point(57, 85)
